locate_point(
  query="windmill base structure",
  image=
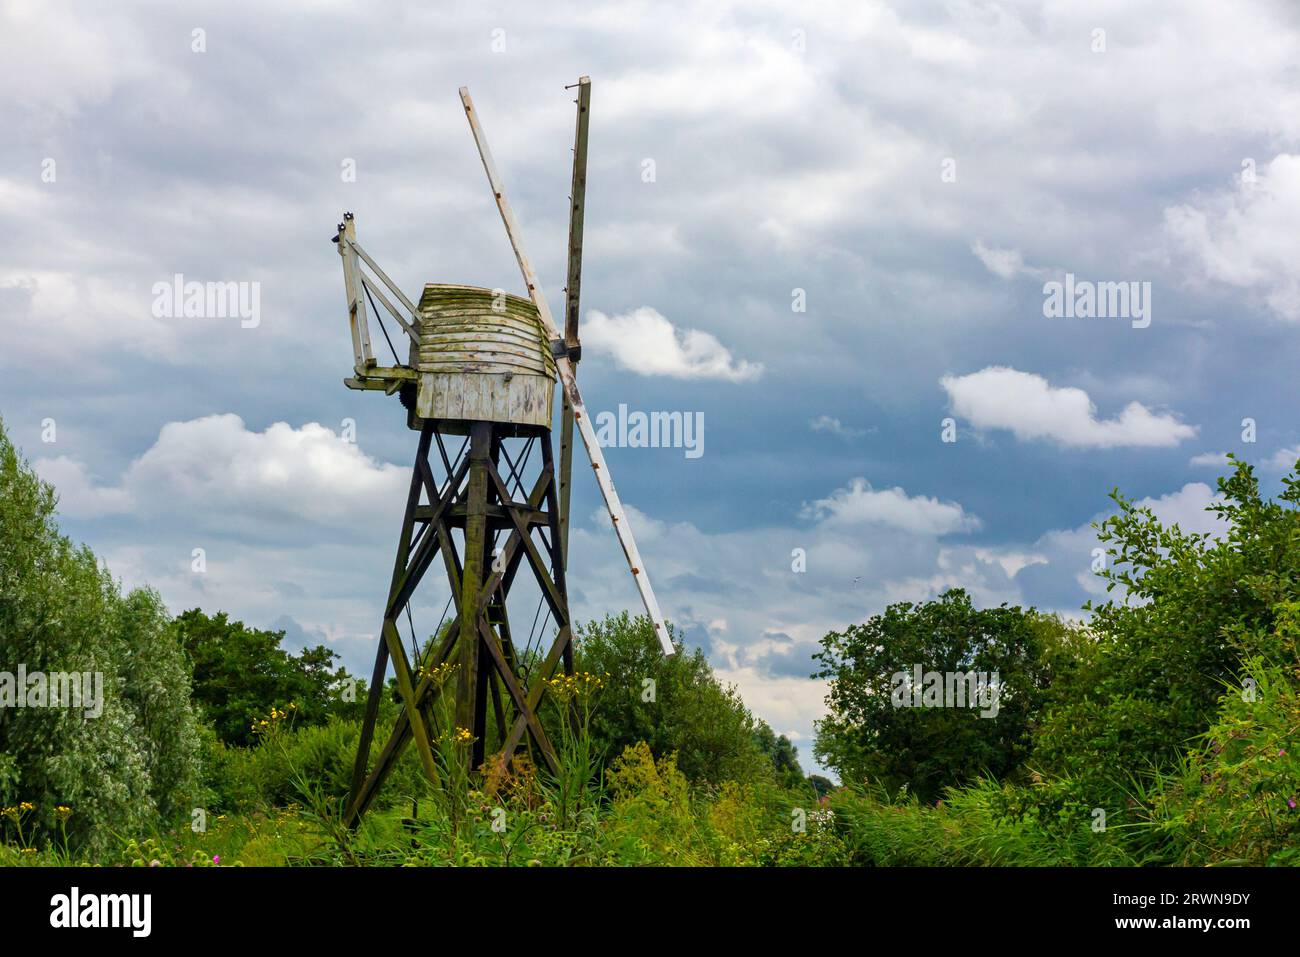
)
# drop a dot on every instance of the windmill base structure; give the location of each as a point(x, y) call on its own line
point(483, 495)
point(480, 370)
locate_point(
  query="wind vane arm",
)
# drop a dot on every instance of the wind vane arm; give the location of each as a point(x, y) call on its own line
point(360, 288)
point(564, 367)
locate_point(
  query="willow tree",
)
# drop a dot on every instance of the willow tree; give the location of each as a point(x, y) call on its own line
point(121, 752)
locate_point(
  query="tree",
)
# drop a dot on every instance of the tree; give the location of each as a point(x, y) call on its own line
point(1189, 609)
point(240, 673)
point(674, 704)
point(129, 760)
point(875, 731)
point(781, 752)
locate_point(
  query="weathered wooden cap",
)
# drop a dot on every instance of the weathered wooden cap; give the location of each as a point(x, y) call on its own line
point(468, 329)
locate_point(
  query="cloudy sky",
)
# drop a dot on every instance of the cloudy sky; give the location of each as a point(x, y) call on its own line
point(828, 228)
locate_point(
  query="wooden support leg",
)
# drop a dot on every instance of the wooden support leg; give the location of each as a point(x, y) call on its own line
point(368, 722)
point(472, 575)
point(412, 705)
point(557, 515)
point(381, 654)
point(479, 641)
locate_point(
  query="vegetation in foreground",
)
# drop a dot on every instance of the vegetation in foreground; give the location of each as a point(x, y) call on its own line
point(1162, 732)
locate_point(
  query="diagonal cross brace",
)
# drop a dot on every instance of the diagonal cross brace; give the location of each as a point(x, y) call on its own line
point(365, 787)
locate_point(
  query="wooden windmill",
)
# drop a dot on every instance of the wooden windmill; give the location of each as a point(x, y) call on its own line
point(481, 368)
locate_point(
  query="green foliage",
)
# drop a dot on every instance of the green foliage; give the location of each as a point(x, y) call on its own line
point(60, 612)
point(1174, 713)
point(240, 672)
point(866, 736)
point(781, 752)
point(674, 704)
point(272, 773)
point(1135, 721)
point(651, 813)
point(981, 825)
point(572, 699)
point(156, 681)
point(1191, 610)
point(1236, 798)
point(264, 776)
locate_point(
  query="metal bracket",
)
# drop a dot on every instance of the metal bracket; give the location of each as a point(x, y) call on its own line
point(561, 349)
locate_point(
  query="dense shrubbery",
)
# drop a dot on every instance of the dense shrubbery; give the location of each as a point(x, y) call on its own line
point(1165, 731)
point(1233, 799)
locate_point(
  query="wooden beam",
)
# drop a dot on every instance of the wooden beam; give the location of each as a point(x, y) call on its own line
point(538, 687)
point(374, 266)
point(553, 597)
point(402, 590)
point(565, 369)
point(572, 293)
point(566, 471)
point(471, 579)
point(526, 714)
point(361, 352)
point(382, 378)
point(498, 512)
point(412, 705)
point(577, 204)
point(379, 294)
point(559, 567)
point(381, 654)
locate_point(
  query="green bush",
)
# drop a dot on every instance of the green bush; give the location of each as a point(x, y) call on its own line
point(984, 824)
point(1236, 798)
point(673, 704)
point(137, 761)
point(273, 772)
point(1192, 609)
point(241, 672)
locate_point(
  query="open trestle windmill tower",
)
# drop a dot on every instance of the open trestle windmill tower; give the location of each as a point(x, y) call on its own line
point(480, 370)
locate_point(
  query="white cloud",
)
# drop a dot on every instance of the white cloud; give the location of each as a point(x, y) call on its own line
point(1031, 408)
point(1246, 237)
point(1004, 263)
point(833, 426)
point(1012, 560)
point(49, 309)
point(1186, 508)
point(217, 470)
point(858, 503)
point(64, 59)
point(1284, 460)
point(789, 704)
point(646, 343)
point(1069, 553)
point(1208, 459)
point(79, 496)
